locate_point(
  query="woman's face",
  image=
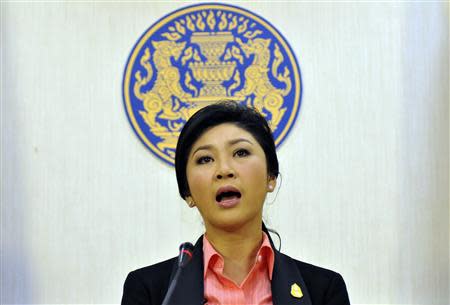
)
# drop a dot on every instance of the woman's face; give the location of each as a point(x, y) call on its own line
point(227, 177)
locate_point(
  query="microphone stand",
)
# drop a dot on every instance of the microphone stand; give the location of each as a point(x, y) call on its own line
point(185, 256)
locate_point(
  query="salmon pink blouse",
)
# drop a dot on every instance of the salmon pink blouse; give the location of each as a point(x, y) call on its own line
point(256, 287)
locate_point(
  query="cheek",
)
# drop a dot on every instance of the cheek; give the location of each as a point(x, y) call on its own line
point(256, 173)
point(196, 181)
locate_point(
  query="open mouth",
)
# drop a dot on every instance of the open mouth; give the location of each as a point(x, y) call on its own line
point(227, 195)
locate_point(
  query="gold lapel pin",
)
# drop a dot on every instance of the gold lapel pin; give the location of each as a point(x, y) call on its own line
point(296, 291)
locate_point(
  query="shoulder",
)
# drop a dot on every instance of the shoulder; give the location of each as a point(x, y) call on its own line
point(148, 285)
point(324, 286)
point(318, 275)
point(155, 272)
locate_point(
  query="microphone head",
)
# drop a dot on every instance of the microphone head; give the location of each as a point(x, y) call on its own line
point(186, 253)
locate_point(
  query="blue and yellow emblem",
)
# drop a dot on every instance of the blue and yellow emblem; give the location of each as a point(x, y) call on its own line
point(202, 54)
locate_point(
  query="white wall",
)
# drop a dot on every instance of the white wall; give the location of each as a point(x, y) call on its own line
point(365, 170)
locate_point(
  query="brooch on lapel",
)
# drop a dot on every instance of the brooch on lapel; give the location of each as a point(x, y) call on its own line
point(296, 291)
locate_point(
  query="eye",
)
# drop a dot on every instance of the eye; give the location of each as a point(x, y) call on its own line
point(241, 153)
point(204, 160)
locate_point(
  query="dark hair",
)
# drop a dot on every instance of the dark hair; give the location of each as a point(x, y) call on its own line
point(242, 116)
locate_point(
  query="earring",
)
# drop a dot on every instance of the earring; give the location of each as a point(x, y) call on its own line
point(191, 203)
point(270, 187)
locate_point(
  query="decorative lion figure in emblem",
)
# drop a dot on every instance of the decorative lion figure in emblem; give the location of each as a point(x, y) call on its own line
point(257, 80)
point(167, 84)
point(162, 101)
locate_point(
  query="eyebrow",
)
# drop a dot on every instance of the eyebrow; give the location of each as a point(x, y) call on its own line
point(231, 142)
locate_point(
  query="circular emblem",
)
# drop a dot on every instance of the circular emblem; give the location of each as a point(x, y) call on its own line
point(202, 54)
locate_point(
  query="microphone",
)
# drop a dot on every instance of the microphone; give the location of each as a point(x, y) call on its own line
point(185, 256)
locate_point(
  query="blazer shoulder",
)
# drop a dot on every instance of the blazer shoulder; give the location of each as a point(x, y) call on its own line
point(148, 285)
point(156, 271)
point(317, 273)
point(325, 286)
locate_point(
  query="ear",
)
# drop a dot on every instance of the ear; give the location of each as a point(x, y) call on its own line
point(271, 184)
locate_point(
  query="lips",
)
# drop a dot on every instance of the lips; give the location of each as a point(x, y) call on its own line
point(228, 196)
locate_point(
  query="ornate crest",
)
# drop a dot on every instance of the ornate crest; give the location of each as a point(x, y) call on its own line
point(203, 54)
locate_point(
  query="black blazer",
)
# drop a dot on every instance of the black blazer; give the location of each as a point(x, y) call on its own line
point(148, 285)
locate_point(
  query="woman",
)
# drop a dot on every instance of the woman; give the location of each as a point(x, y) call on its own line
point(226, 163)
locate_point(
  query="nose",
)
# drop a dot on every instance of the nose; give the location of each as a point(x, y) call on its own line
point(224, 171)
point(225, 174)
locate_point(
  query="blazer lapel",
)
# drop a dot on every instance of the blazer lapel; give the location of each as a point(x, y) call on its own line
point(286, 274)
point(189, 289)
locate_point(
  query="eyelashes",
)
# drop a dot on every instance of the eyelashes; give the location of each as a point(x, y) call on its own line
point(203, 160)
point(239, 153)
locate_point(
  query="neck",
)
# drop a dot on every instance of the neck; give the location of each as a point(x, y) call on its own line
point(238, 249)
